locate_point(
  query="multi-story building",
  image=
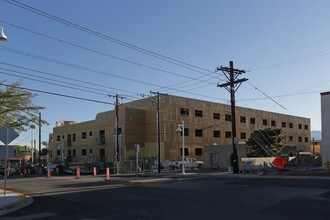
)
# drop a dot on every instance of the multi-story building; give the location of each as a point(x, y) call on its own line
point(206, 123)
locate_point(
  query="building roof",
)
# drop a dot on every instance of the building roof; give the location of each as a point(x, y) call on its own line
point(325, 93)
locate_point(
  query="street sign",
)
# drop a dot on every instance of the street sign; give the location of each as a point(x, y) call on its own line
point(236, 142)
point(7, 132)
point(7, 135)
point(279, 162)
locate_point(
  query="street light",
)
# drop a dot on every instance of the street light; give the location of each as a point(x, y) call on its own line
point(3, 37)
point(181, 129)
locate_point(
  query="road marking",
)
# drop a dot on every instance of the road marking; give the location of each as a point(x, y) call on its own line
point(82, 189)
point(88, 219)
point(35, 216)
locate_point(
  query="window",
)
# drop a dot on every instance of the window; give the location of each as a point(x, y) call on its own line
point(300, 139)
point(216, 116)
point(184, 111)
point(58, 138)
point(242, 119)
point(83, 135)
point(198, 151)
point(199, 133)
point(69, 153)
point(291, 138)
point(228, 134)
point(74, 153)
point(83, 152)
point(273, 123)
point(186, 152)
point(186, 132)
point(227, 117)
point(73, 137)
point(63, 136)
point(290, 125)
point(283, 124)
point(198, 113)
point(101, 139)
point(90, 151)
point(58, 152)
point(300, 126)
point(216, 133)
point(252, 121)
point(69, 141)
point(243, 135)
point(306, 139)
point(90, 133)
point(265, 122)
point(306, 127)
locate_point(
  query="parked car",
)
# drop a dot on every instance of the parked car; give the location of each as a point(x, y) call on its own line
point(84, 168)
point(51, 166)
point(191, 163)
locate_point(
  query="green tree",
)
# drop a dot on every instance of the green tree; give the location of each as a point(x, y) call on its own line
point(265, 143)
point(17, 109)
point(44, 151)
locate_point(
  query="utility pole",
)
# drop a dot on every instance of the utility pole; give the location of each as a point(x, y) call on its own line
point(40, 140)
point(117, 150)
point(32, 146)
point(117, 134)
point(232, 85)
point(158, 126)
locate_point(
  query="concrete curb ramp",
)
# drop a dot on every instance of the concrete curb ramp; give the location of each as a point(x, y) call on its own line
point(13, 201)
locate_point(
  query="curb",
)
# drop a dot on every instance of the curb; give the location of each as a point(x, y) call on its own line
point(283, 177)
point(146, 181)
point(14, 204)
point(152, 181)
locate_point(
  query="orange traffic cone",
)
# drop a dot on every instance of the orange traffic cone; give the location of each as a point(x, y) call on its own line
point(78, 173)
point(107, 174)
point(48, 173)
point(95, 173)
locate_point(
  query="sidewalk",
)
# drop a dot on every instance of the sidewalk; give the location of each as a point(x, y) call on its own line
point(13, 201)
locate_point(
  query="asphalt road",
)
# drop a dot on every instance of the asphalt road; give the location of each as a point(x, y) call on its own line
point(187, 198)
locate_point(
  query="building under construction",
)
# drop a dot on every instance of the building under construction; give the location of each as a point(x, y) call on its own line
point(206, 123)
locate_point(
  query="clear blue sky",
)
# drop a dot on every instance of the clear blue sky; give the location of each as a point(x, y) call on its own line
point(284, 46)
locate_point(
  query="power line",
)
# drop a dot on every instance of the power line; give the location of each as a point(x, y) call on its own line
point(51, 83)
point(58, 94)
point(286, 51)
point(102, 53)
point(64, 77)
point(294, 61)
point(268, 96)
point(96, 71)
point(106, 37)
point(285, 95)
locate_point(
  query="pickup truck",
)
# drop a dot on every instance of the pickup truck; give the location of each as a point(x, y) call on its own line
point(190, 163)
point(170, 163)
